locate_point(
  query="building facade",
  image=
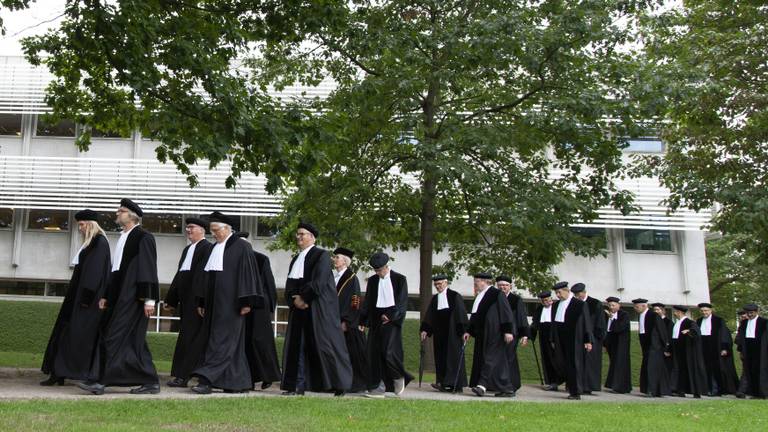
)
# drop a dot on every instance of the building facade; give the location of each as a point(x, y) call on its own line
point(45, 179)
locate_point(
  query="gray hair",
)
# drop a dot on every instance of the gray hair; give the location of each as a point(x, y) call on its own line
point(134, 217)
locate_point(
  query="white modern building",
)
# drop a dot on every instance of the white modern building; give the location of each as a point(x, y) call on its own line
point(44, 180)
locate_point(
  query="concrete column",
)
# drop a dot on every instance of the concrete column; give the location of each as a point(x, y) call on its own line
point(680, 243)
point(617, 243)
point(18, 226)
point(136, 138)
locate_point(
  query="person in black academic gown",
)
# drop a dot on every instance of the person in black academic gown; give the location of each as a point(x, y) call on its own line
point(232, 291)
point(654, 342)
point(75, 334)
point(619, 378)
point(541, 327)
point(752, 342)
point(493, 327)
point(350, 300)
point(445, 322)
point(259, 333)
point(689, 375)
point(383, 313)
point(717, 347)
point(315, 356)
point(593, 359)
point(187, 286)
point(571, 338)
point(520, 314)
point(661, 310)
point(124, 358)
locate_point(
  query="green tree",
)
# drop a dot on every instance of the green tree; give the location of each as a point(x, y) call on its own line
point(735, 276)
point(484, 128)
point(710, 62)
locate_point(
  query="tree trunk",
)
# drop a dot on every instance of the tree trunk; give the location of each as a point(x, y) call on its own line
point(426, 248)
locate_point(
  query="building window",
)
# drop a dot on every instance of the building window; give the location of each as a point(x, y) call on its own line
point(644, 145)
point(48, 220)
point(14, 287)
point(10, 124)
point(266, 227)
point(162, 223)
point(107, 222)
point(596, 235)
point(6, 218)
point(96, 133)
point(63, 128)
point(648, 240)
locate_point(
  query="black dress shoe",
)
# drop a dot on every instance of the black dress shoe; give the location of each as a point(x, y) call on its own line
point(505, 395)
point(478, 391)
point(202, 389)
point(51, 381)
point(339, 393)
point(177, 382)
point(740, 395)
point(293, 393)
point(146, 389)
point(266, 385)
point(697, 396)
point(574, 397)
point(92, 387)
point(550, 388)
point(437, 387)
point(587, 393)
point(678, 394)
point(235, 391)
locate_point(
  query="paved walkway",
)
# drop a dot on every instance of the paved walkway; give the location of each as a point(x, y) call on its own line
point(18, 384)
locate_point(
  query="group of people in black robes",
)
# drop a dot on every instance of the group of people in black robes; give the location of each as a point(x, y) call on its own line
point(225, 295)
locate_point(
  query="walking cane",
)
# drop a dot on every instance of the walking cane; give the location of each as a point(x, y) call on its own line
point(538, 366)
point(422, 352)
point(461, 365)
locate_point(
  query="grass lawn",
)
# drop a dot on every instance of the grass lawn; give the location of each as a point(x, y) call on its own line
point(326, 414)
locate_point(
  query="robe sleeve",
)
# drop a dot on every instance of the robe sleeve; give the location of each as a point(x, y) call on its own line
point(460, 315)
point(364, 308)
point(533, 330)
point(172, 298)
point(587, 320)
point(601, 324)
point(521, 318)
point(146, 270)
point(268, 283)
point(401, 303)
point(507, 322)
point(693, 331)
point(426, 323)
point(249, 290)
point(345, 301)
point(726, 341)
point(92, 274)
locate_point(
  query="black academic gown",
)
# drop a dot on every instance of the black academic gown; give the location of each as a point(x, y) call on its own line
point(224, 363)
point(543, 331)
point(669, 363)
point(619, 377)
point(187, 286)
point(446, 327)
point(721, 372)
point(689, 374)
point(125, 359)
point(259, 333)
point(520, 316)
point(490, 366)
point(569, 338)
point(315, 331)
point(754, 356)
point(593, 360)
point(350, 301)
point(74, 338)
point(385, 341)
point(654, 377)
